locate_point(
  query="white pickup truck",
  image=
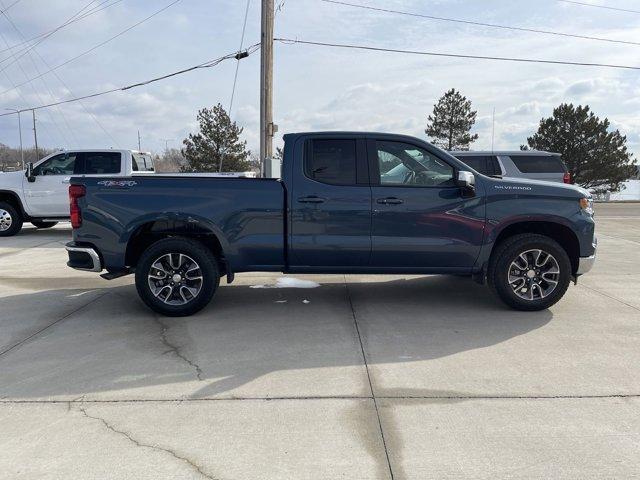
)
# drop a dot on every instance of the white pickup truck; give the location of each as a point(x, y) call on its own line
point(40, 194)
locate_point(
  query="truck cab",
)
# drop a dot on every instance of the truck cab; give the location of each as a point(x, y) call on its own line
point(39, 194)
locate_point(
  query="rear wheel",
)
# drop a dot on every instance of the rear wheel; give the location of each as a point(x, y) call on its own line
point(39, 224)
point(529, 272)
point(177, 277)
point(10, 220)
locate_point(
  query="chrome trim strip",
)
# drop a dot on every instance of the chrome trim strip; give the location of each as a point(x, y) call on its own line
point(97, 266)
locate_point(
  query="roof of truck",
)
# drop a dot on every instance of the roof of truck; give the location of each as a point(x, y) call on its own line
point(500, 152)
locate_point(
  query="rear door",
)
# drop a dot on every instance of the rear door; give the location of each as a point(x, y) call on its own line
point(421, 220)
point(330, 207)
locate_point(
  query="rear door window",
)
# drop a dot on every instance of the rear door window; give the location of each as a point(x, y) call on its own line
point(332, 161)
point(100, 163)
point(538, 163)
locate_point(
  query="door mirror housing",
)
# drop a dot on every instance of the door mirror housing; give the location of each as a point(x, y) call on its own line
point(466, 180)
point(29, 173)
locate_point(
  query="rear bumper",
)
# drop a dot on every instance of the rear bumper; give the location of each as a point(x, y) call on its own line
point(585, 264)
point(83, 258)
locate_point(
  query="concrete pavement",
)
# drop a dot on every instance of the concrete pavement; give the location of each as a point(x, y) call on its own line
point(368, 377)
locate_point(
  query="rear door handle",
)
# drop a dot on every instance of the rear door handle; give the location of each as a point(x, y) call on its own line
point(390, 201)
point(311, 199)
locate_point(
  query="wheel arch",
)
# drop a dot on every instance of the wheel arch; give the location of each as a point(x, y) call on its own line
point(14, 199)
point(557, 231)
point(150, 230)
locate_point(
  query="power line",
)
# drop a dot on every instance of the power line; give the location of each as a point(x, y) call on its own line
point(7, 8)
point(235, 78)
point(64, 84)
point(96, 9)
point(211, 63)
point(600, 6)
point(95, 47)
point(26, 50)
point(480, 24)
point(46, 86)
point(453, 55)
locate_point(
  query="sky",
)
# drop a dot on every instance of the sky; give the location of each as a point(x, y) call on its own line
point(315, 88)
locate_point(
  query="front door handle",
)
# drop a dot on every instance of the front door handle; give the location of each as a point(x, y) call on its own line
point(311, 199)
point(390, 201)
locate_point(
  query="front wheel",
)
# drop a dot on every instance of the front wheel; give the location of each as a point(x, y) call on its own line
point(40, 225)
point(10, 220)
point(529, 272)
point(177, 277)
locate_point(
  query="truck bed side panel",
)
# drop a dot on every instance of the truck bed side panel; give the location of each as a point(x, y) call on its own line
point(246, 215)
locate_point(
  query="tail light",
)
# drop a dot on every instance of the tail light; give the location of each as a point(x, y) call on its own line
point(567, 177)
point(76, 192)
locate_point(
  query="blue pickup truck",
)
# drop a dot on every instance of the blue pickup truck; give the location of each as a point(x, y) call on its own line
point(346, 203)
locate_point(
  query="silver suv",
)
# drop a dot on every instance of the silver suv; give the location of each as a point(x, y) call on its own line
point(532, 164)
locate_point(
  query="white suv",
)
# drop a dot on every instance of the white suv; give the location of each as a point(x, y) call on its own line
point(40, 195)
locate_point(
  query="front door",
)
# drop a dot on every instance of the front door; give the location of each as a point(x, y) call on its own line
point(48, 195)
point(331, 205)
point(421, 219)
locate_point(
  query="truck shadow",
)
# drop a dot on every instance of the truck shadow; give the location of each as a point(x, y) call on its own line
point(255, 342)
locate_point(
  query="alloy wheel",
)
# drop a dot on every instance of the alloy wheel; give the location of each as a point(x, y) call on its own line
point(175, 279)
point(5, 220)
point(534, 274)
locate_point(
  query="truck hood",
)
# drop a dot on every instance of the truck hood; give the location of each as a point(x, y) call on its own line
point(511, 185)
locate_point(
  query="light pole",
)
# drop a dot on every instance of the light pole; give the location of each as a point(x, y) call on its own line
point(20, 133)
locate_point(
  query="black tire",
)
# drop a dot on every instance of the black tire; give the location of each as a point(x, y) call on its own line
point(38, 224)
point(10, 220)
point(509, 251)
point(158, 301)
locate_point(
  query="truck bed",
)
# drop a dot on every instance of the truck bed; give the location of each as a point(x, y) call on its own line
point(248, 213)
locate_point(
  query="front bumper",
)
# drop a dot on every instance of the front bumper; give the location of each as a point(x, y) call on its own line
point(83, 258)
point(585, 264)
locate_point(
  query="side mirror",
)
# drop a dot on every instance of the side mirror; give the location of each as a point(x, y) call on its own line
point(466, 180)
point(29, 173)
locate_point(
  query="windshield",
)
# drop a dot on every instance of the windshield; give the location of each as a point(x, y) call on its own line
point(141, 162)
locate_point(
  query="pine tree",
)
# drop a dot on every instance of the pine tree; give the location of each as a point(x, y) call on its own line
point(451, 122)
point(217, 141)
point(596, 157)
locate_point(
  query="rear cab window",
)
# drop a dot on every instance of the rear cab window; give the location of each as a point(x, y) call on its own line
point(539, 163)
point(141, 162)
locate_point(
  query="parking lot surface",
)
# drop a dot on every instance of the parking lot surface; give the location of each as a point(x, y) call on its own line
point(363, 377)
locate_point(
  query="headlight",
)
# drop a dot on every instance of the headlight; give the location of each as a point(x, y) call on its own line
point(587, 205)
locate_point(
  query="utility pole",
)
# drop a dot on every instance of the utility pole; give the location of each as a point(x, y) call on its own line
point(35, 133)
point(267, 128)
point(139, 148)
point(20, 133)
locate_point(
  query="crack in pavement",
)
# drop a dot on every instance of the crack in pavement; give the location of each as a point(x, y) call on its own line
point(138, 443)
point(175, 349)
